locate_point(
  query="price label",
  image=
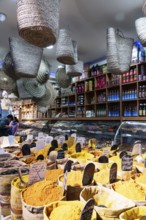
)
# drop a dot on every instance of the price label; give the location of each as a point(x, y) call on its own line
point(61, 140)
point(122, 154)
point(137, 149)
point(64, 147)
point(87, 211)
point(88, 174)
point(78, 148)
point(127, 163)
point(61, 154)
point(40, 144)
point(113, 173)
point(37, 172)
point(103, 159)
point(40, 135)
point(48, 140)
point(143, 217)
point(67, 166)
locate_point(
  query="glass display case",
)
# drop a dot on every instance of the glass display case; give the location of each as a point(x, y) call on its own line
point(128, 133)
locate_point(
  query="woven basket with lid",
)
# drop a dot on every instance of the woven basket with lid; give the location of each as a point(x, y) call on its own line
point(26, 57)
point(38, 21)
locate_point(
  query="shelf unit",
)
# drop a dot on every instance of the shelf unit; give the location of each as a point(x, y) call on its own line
point(102, 97)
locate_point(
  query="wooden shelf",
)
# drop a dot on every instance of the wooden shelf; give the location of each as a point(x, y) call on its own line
point(129, 100)
point(89, 92)
point(101, 103)
point(130, 83)
point(101, 89)
point(112, 87)
point(137, 118)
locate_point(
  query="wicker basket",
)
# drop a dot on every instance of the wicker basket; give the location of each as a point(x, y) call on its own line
point(23, 94)
point(62, 79)
point(38, 21)
point(8, 66)
point(26, 57)
point(75, 70)
point(45, 101)
point(34, 88)
point(140, 25)
point(119, 52)
point(65, 52)
point(53, 92)
point(43, 72)
point(7, 83)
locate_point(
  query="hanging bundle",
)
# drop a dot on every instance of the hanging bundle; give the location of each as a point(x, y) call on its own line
point(66, 52)
point(75, 70)
point(34, 88)
point(62, 79)
point(140, 25)
point(23, 94)
point(119, 52)
point(43, 72)
point(26, 57)
point(8, 66)
point(38, 21)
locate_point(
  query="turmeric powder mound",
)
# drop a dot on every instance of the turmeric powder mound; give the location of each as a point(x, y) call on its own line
point(102, 177)
point(74, 178)
point(141, 178)
point(130, 189)
point(52, 175)
point(42, 193)
point(69, 211)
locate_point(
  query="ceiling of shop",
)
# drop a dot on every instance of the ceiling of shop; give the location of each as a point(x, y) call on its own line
point(87, 20)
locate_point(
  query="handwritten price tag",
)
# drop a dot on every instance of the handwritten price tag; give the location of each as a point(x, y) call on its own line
point(87, 211)
point(127, 163)
point(37, 172)
point(88, 174)
point(113, 173)
point(40, 144)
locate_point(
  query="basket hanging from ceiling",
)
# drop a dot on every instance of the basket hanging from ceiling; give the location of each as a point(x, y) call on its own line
point(62, 79)
point(75, 70)
point(26, 57)
point(23, 94)
point(8, 66)
point(38, 21)
point(43, 73)
point(52, 91)
point(36, 89)
point(7, 83)
point(65, 50)
point(119, 52)
point(45, 100)
point(140, 25)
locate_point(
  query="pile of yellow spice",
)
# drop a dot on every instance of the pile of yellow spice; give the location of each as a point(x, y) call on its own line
point(52, 175)
point(102, 176)
point(74, 178)
point(42, 193)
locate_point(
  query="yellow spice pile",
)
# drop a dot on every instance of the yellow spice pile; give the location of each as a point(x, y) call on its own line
point(141, 178)
point(42, 193)
point(74, 178)
point(52, 175)
point(69, 211)
point(130, 189)
point(102, 177)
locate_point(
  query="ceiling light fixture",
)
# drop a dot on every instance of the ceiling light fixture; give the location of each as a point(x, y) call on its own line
point(2, 17)
point(50, 47)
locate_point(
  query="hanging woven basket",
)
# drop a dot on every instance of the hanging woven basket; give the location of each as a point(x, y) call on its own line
point(38, 21)
point(62, 79)
point(140, 25)
point(75, 70)
point(119, 52)
point(34, 88)
point(52, 91)
point(23, 94)
point(7, 83)
point(26, 57)
point(43, 73)
point(45, 100)
point(65, 52)
point(8, 66)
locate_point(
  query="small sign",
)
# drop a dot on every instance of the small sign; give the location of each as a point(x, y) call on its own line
point(78, 148)
point(127, 163)
point(81, 140)
point(37, 172)
point(40, 135)
point(137, 148)
point(143, 217)
point(67, 166)
point(87, 211)
point(40, 144)
point(48, 140)
point(113, 173)
point(122, 154)
point(61, 154)
point(103, 159)
point(61, 140)
point(88, 174)
point(64, 147)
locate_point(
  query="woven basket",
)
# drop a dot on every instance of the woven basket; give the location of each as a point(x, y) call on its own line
point(34, 88)
point(7, 83)
point(119, 52)
point(8, 66)
point(140, 25)
point(23, 94)
point(26, 57)
point(38, 21)
point(75, 70)
point(62, 79)
point(53, 92)
point(65, 52)
point(43, 72)
point(45, 101)
point(144, 7)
